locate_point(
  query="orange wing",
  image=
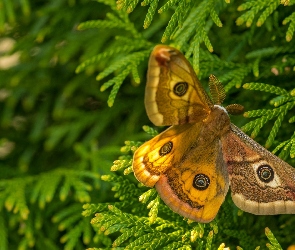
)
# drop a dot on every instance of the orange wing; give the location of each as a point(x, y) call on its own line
point(189, 174)
point(184, 162)
point(173, 94)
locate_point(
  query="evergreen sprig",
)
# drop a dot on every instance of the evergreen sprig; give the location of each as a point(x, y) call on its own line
point(8, 13)
point(263, 8)
point(139, 233)
point(123, 54)
point(45, 186)
point(286, 147)
point(283, 104)
point(274, 244)
point(113, 52)
point(151, 11)
point(270, 52)
point(74, 224)
point(194, 33)
point(127, 65)
point(183, 27)
point(291, 20)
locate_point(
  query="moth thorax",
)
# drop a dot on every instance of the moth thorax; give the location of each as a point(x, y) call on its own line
point(218, 121)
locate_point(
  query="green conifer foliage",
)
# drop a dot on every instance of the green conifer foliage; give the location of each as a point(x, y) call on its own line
point(71, 92)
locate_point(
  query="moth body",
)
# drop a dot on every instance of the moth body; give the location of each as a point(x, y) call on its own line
point(218, 122)
point(193, 162)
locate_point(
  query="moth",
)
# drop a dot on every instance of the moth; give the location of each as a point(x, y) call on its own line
point(193, 162)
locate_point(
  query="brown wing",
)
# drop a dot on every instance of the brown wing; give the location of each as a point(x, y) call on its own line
point(261, 183)
point(173, 94)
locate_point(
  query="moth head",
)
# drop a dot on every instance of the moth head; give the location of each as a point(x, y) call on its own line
point(218, 95)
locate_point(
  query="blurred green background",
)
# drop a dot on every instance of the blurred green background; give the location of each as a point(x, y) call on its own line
point(59, 132)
